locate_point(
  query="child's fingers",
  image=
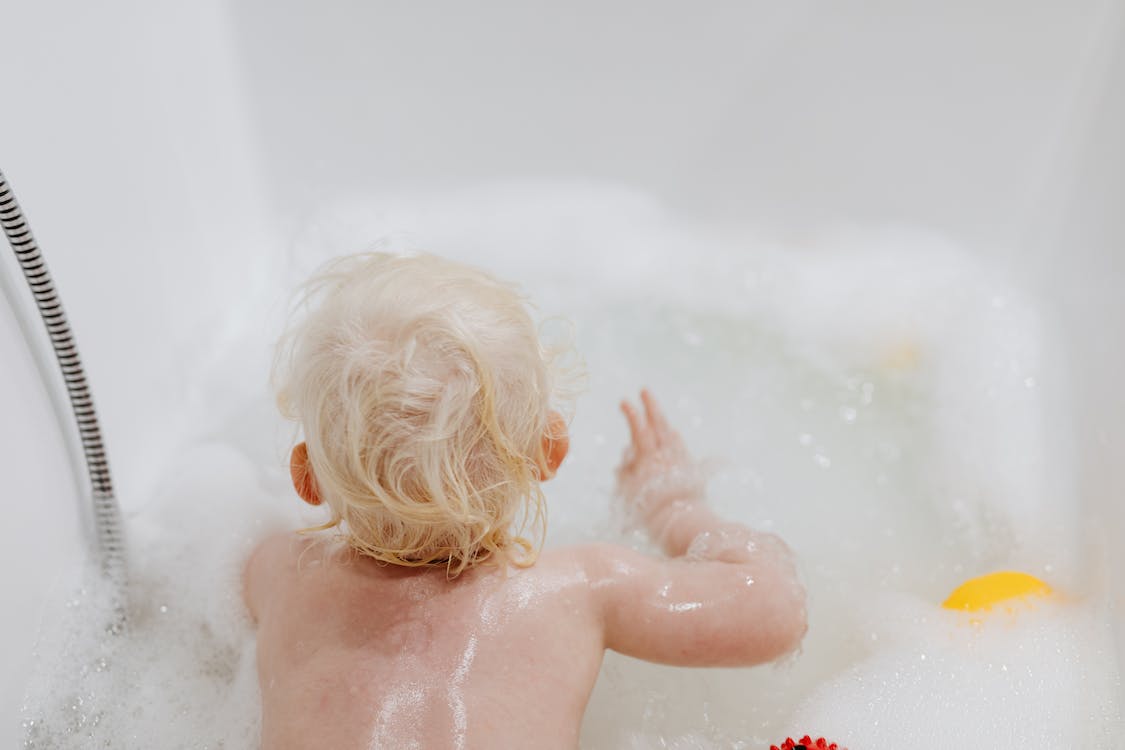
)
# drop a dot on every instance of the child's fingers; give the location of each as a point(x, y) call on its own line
point(642, 438)
point(654, 414)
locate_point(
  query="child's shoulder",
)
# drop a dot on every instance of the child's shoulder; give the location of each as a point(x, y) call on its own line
point(592, 560)
point(279, 549)
point(276, 554)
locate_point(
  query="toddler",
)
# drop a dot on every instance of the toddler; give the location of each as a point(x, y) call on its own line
point(432, 619)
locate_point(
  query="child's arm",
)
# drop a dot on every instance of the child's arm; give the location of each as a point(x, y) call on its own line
point(729, 596)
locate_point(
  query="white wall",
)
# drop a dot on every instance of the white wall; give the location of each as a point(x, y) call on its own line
point(790, 115)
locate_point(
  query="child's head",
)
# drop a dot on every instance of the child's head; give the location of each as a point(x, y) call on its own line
point(425, 397)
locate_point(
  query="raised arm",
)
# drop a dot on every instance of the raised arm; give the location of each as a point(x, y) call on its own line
point(726, 595)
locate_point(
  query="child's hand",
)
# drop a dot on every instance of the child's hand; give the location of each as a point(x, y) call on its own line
point(657, 469)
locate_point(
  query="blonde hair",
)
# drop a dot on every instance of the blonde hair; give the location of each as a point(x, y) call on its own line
point(424, 394)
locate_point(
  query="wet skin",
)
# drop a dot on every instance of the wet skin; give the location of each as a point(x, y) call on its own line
point(353, 653)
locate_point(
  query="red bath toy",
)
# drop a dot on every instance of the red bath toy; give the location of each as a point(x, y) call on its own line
point(807, 743)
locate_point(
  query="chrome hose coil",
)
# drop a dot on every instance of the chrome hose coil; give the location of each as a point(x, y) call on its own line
point(107, 515)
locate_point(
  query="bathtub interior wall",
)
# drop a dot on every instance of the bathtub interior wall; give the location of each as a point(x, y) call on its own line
point(133, 158)
point(1083, 246)
point(209, 132)
point(42, 506)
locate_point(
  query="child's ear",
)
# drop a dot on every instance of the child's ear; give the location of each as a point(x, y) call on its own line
point(303, 480)
point(556, 444)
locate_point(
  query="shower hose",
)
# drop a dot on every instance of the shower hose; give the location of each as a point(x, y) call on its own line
point(107, 516)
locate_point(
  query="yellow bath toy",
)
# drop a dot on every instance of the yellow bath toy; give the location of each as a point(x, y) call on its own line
point(901, 356)
point(981, 594)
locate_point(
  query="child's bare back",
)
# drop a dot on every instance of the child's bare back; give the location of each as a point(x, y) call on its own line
point(358, 652)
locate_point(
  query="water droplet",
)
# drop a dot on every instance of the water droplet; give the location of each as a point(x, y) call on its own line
point(822, 460)
point(848, 413)
point(163, 609)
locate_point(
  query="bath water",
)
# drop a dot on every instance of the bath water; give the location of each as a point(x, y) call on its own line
point(882, 400)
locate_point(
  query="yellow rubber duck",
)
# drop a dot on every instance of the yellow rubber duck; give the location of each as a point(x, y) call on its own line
point(1004, 587)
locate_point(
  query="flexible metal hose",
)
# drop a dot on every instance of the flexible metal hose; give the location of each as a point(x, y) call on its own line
point(107, 515)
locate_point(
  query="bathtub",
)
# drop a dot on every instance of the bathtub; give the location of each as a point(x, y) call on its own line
point(167, 155)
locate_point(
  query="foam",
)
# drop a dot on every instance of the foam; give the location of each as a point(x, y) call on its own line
point(880, 400)
point(1039, 679)
point(183, 674)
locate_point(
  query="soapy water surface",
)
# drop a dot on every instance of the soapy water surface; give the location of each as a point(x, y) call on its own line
point(882, 401)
